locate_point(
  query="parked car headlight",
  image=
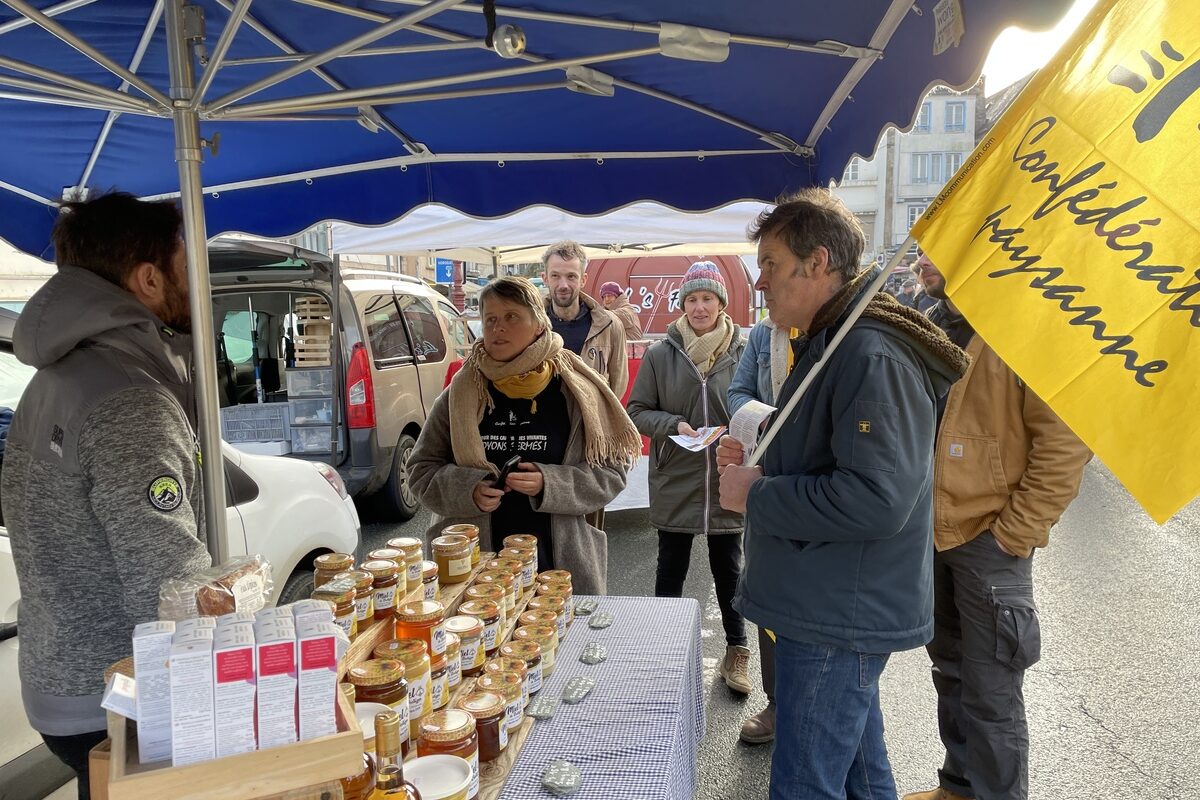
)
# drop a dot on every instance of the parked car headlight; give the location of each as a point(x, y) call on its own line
point(330, 474)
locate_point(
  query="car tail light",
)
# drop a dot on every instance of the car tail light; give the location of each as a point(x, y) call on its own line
point(335, 480)
point(360, 394)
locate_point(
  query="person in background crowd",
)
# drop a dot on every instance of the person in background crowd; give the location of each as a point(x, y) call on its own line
point(101, 485)
point(922, 300)
point(907, 295)
point(587, 329)
point(765, 364)
point(839, 512)
point(521, 393)
point(682, 386)
point(986, 631)
point(616, 302)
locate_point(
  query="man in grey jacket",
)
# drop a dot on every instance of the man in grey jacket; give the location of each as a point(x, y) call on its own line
point(101, 482)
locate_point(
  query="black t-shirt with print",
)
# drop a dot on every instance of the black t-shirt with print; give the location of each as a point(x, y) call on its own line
point(511, 429)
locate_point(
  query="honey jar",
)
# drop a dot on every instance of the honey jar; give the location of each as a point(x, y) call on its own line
point(429, 579)
point(414, 655)
point(413, 556)
point(328, 565)
point(491, 592)
point(387, 584)
point(341, 593)
point(547, 637)
point(507, 581)
point(489, 712)
point(514, 665)
point(526, 557)
point(453, 661)
point(529, 652)
point(472, 654)
point(555, 603)
point(452, 733)
point(508, 686)
point(453, 556)
point(524, 541)
point(424, 620)
point(488, 613)
point(381, 680)
point(364, 597)
point(472, 534)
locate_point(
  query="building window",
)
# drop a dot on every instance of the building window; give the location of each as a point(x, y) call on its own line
point(923, 118)
point(919, 168)
point(956, 116)
point(914, 214)
point(953, 164)
point(852, 170)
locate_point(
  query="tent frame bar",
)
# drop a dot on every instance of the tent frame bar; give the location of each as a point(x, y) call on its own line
point(221, 50)
point(387, 100)
point(57, 96)
point(52, 11)
point(398, 50)
point(80, 86)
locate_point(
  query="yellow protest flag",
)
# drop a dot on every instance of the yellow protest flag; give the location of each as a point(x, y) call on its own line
point(1070, 240)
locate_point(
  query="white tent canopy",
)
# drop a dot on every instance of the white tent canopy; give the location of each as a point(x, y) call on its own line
point(21, 275)
point(635, 230)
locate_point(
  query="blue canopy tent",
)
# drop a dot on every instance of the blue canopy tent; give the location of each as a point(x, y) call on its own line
point(364, 109)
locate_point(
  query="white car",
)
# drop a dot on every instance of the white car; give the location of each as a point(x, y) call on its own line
point(289, 511)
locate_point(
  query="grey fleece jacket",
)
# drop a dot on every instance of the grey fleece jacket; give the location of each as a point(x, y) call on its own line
point(572, 490)
point(101, 488)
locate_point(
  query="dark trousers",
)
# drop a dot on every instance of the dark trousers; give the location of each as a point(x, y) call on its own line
point(766, 657)
point(986, 634)
point(725, 561)
point(73, 751)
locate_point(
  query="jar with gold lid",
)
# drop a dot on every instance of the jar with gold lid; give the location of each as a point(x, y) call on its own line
point(554, 576)
point(328, 565)
point(547, 637)
point(387, 554)
point(512, 565)
point(562, 590)
point(387, 585)
point(341, 593)
point(526, 557)
point(488, 709)
point(472, 534)
point(364, 604)
point(554, 603)
point(414, 655)
point(360, 785)
point(508, 686)
point(413, 556)
point(381, 680)
point(453, 556)
point(472, 653)
point(492, 592)
point(488, 613)
point(429, 579)
point(529, 652)
point(524, 541)
point(538, 617)
point(511, 584)
point(452, 732)
point(425, 620)
point(514, 665)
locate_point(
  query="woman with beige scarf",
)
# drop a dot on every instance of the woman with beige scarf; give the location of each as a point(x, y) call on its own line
point(519, 393)
point(681, 386)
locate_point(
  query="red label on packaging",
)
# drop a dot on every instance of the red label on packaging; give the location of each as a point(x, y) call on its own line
point(235, 665)
point(277, 659)
point(318, 653)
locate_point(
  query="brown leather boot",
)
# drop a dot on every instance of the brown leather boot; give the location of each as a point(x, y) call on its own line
point(760, 728)
point(935, 794)
point(735, 669)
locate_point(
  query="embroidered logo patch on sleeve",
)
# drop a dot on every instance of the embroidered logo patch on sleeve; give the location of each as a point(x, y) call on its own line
point(165, 493)
point(864, 426)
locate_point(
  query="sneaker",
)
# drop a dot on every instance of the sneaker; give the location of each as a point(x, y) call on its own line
point(760, 728)
point(935, 794)
point(734, 669)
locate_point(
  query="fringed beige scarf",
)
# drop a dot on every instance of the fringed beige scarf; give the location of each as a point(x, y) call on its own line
point(609, 435)
point(705, 349)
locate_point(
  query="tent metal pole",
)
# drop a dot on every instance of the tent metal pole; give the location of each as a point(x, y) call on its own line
point(81, 86)
point(397, 24)
point(52, 11)
point(285, 107)
point(66, 97)
point(188, 155)
point(399, 50)
point(220, 51)
point(59, 32)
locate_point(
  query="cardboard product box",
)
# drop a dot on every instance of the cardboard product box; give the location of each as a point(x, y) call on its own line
point(321, 645)
point(236, 618)
point(311, 611)
point(274, 613)
point(192, 732)
point(275, 665)
point(151, 656)
point(234, 687)
point(195, 628)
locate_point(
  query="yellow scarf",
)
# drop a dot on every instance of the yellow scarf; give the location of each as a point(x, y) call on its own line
point(527, 385)
point(792, 334)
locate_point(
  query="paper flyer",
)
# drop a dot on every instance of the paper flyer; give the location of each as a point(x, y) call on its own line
point(704, 438)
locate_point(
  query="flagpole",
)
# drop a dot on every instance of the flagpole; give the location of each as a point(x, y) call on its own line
point(855, 313)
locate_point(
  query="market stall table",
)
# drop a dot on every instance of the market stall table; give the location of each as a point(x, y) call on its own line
point(637, 734)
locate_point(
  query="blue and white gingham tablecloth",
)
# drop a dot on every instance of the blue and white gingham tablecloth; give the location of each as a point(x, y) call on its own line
point(637, 734)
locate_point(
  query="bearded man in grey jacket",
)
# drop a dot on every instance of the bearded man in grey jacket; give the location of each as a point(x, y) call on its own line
point(101, 483)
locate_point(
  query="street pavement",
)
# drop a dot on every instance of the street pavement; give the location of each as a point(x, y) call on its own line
point(1113, 706)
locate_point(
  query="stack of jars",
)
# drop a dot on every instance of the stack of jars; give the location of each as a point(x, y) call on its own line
point(364, 595)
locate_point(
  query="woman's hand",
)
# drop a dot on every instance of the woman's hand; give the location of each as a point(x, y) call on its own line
point(527, 479)
point(486, 498)
point(686, 430)
point(730, 453)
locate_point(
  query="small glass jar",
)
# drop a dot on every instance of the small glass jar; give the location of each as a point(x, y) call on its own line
point(554, 576)
point(530, 653)
point(488, 613)
point(413, 556)
point(562, 590)
point(526, 557)
point(341, 593)
point(453, 556)
point(453, 661)
point(387, 584)
point(538, 617)
point(524, 541)
point(452, 733)
point(515, 666)
point(472, 534)
point(505, 580)
point(381, 680)
point(429, 579)
point(359, 785)
point(511, 565)
point(387, 554)
point(472, 654)
point(555, 603)
point(364, 597)
point(414, 655)
point(547, 637)
point(327, 566)
point(424, 620)
point(492, 593)
point(439, 684)
point(488, 709)
point(508, 686)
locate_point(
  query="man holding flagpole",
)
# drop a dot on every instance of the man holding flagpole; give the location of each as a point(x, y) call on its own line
point(839, 537)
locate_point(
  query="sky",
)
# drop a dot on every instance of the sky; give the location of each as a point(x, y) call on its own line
point(1018, 52)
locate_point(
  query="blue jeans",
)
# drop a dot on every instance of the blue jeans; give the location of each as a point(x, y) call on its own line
point(829, 728)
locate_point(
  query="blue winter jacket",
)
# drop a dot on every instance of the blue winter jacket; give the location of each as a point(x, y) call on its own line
point(839, 531)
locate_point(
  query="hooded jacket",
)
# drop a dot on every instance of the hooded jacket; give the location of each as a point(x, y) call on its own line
point(624, 311)
point(101, 488)
point(684, 486)
point(604, 347)
point(839, 542)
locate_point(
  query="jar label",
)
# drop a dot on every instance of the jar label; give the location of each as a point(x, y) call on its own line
point(437, 639)
point(490, 634)
point(385, 598)
point(474, 762)
point(414, 573)
point(401, 710)
point(439, 692)
point(527, 575)
point(458, 566)
point(471, 655)
point(534, 678)
point(431, 590)
point(561, 624)
point(515, 713)
point(248, 593)
point(503, 726)
point(548, 657)
point(364, 607)
point(347, 623)
point(418, 696)
point(454, 671)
